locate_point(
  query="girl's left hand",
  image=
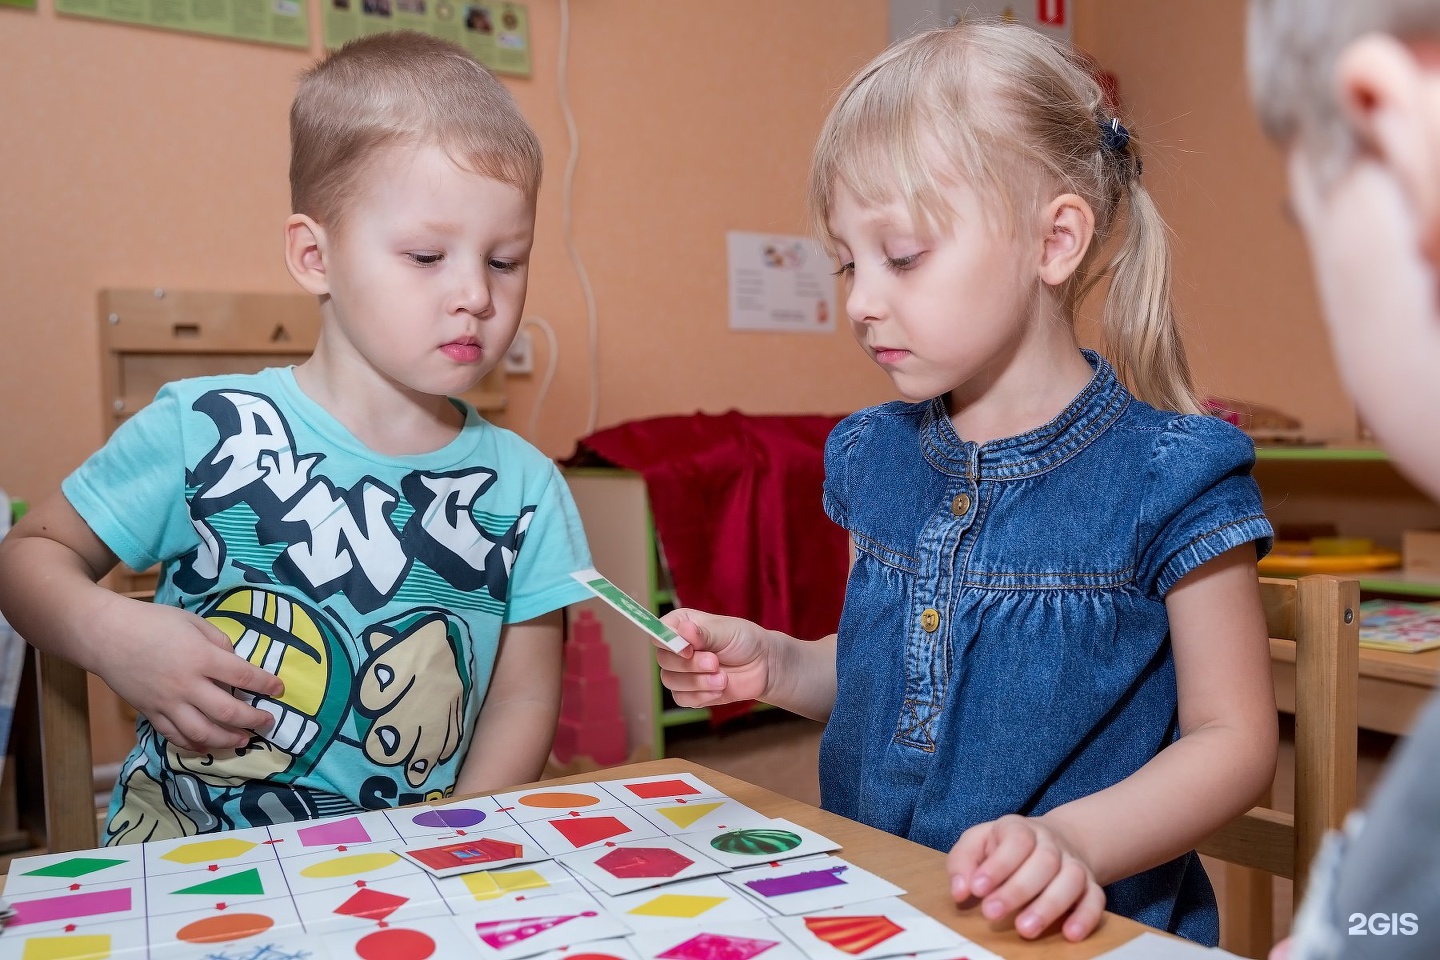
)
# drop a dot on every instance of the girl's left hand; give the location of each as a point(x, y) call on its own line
point(1025, 868)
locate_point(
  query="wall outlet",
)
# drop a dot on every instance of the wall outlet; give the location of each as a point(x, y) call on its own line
point(520, 358)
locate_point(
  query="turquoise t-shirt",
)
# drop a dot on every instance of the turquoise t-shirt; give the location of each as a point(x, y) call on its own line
point(374, 586)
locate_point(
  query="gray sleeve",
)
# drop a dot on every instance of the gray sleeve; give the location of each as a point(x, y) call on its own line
point(1385, 880)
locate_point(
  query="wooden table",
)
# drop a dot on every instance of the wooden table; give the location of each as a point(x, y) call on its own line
point(1392, 686)
point(919, 870)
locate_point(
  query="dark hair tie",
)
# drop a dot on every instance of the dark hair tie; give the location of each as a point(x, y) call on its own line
point(1113, 136)
point(1115, 139)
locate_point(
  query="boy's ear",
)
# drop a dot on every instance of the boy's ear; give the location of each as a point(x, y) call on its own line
point(1069, 227)
point(305, 248)
point(1391, 93)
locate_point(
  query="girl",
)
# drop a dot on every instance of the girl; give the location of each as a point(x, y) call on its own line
point(1052, 659)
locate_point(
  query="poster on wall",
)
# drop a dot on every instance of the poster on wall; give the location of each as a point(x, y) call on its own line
point(496, 34)
point(284, 22)
point(780, 284)
point(1047, 16)
point(27, 4)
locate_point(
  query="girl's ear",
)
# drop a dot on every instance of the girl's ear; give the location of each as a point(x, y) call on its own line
point(305, 247)
point(1391, 93)
point(1069, 226)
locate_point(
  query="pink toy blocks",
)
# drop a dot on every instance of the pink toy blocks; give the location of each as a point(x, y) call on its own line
point(591, 722)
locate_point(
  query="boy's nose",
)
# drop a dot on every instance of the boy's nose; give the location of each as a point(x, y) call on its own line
point(473, 296)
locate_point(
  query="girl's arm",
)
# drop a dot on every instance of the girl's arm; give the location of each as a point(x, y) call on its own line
point(731, 659)
point(1225, 757)
point(517, 722)
point(1050, 867)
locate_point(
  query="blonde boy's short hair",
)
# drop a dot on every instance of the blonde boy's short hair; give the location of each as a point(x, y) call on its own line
point(1293, 51)
point(401, 87)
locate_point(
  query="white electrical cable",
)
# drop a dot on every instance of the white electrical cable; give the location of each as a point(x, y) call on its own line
point(567, 218)
point(552, 361)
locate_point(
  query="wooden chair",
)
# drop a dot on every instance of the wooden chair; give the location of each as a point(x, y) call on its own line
point(50, 738)
point(1315, 622)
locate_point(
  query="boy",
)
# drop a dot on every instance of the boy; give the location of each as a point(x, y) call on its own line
point(363, 560)
point(1352, 92)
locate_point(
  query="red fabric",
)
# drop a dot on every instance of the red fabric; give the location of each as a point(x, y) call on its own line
point(736, 501)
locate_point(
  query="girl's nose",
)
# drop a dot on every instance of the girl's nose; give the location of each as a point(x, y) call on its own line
point(861, 303)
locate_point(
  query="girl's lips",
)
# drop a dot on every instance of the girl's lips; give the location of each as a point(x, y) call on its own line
point(463, 351)
point(890, 355)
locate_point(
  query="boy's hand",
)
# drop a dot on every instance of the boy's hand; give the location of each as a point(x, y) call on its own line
point(1023, 867)
point(728, 659)
point(177, 669)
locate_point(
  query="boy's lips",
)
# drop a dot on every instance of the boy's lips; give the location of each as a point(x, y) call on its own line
point(890, 354)
point(463, 350)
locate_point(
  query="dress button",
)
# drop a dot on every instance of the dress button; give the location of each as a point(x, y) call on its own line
point(930, 620)
point(960, 505)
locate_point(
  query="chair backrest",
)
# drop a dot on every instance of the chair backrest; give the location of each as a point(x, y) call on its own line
point(51, 742)
point(1319, 617)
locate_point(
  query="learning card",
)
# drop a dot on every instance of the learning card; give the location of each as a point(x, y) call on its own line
point(632, 609)
point(811, 884)
point(212, 926)
point(745, 846)
point(320, 871)
point(48, 909)
point(217, 850)
point(514, 929)
point(635, 865)
point(346, 887)
point(61, 870)
point(707, 900)
point(525, 805)
point(435, 938)
point(672, 787)
point(230, 887)
point(366, 905)
point(721, 941)
point(294, 839)
point(90, 937)
point(1153, 946)
point(458, 819)
point(469, 892)
point(868, 931)
point(683, 815)
point(478, 851)
point(573, 831)
point(617, 949)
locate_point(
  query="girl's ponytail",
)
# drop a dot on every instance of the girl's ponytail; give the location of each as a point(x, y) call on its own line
point(1140, 334)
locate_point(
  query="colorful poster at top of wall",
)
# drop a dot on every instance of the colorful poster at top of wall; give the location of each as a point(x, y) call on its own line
point(496, 34)
point(27, 4)
point(284, 22)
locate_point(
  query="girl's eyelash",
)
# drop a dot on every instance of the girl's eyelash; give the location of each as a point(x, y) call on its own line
point(426, 259)
point(504, 266)
point(843, 268)
point(902, 263)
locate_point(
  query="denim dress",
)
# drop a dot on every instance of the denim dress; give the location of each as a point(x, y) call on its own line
point(1004, 646)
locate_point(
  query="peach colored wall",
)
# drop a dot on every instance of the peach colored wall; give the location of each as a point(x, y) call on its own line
point(144, 158)
point(1243, 285)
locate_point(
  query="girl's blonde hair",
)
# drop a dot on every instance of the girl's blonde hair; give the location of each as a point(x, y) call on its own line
point(401, 87)
point(1017, 112)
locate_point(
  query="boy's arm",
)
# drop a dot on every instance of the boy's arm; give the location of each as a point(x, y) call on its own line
point(517, 722)
point(169, 664)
